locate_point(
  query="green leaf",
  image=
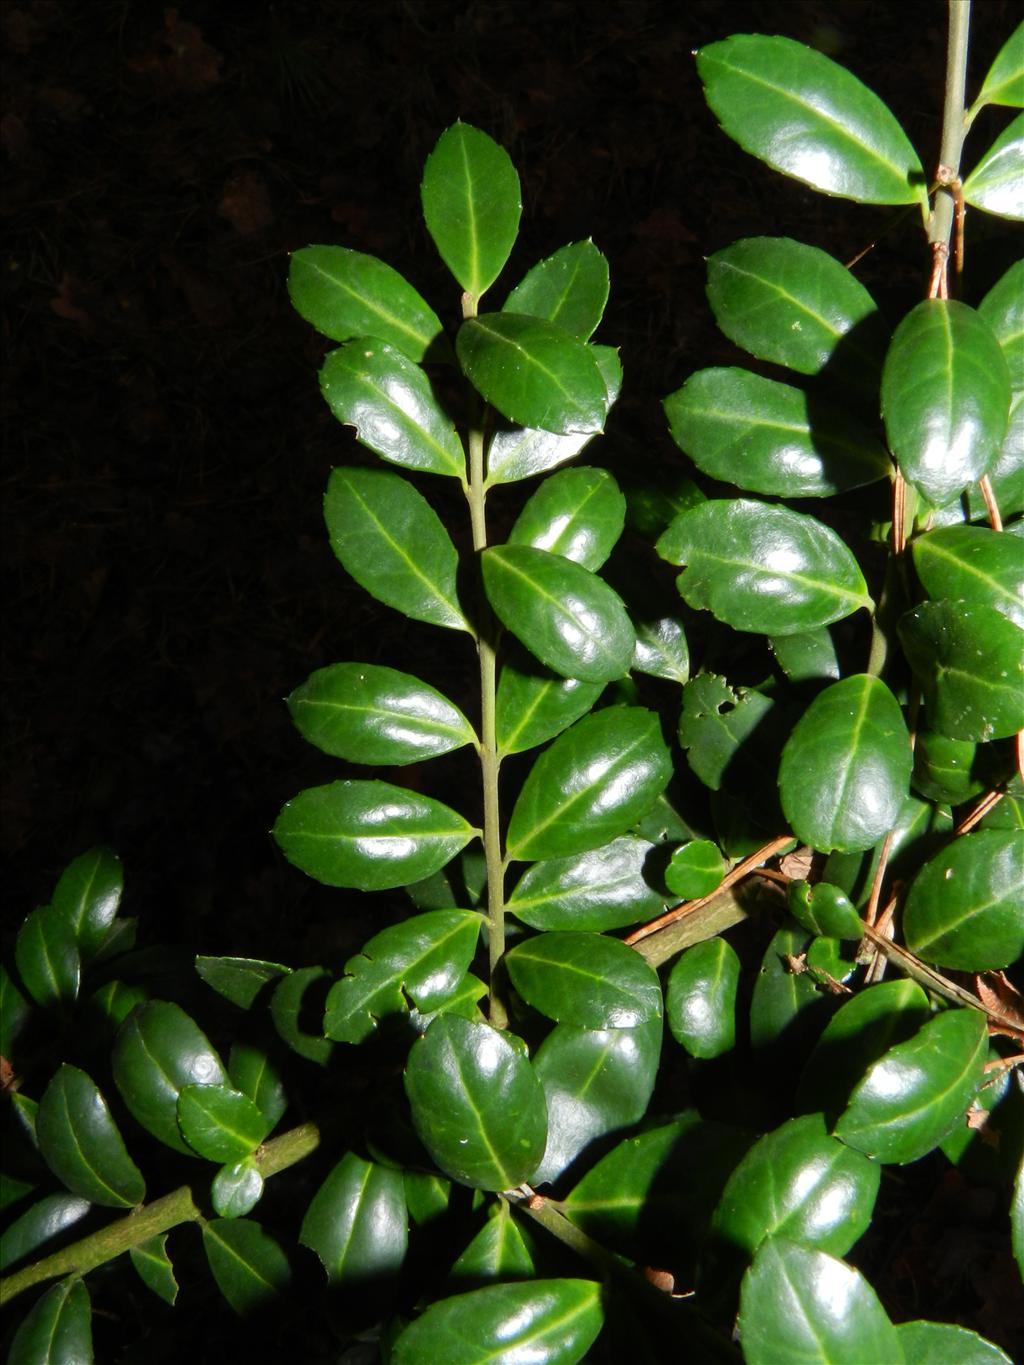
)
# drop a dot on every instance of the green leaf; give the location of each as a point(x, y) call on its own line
point(373, 387)
point(768, 437)
point(534, 373)
point(46, 954)
point(236, 1189)
point(1003, 309)
point(499, 1251)
point(965, 908)
point(973, 564)
point(58, 1329)
point(786, 1009)
point(995, 184)
point(576, 513)
point(81, 1143)
point(369, 835)
point(943, 1343)
point(154, 1268)
point(88, 895)
point(220, 1123)
point(917, 1092)
point(371, 714)
point(795, 1182)
point(158, 1051)
point(471, 205)
point(945, 398)
point(547, 1322)
point(476, 1104)
point(424, 958)
point(811, 654)
point(252, 1072)
point(357, 1222)
point(951, 770)
point(393, 544)
point(1004, 82)
point(715, 722)
point(41, 1222)
point(602, 889)
point(695, 869)
point(805, 1307)
point(661, 649)
point(810, 118)
point(969, 661)
point(796, 305)
point(239, 979)
point(15, 1012)
point(569, 288)
point(345, 294)
point(565, 615)
point(595, 1081)
point(846, 767)
point(700, 1002)
point(115, 1001)
point(585, 979)
point(593, 783)
point(763, 568)
point(249, 1265)
point(534, 704)
point(297, 1009)
point(823, 909)
point(463, 1001)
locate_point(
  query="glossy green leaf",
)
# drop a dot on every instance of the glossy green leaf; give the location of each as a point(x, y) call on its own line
point(1003, 309)
point(569, 288)
point(785, 1009)
point(973, 564)
point(715, 722)
point(943, 1343)
point(239, 979)
point(545, 1322)
point(796, 305)
point(88, 895)
point(662, 650)
point(965, 908)
point(1004, 81)
point(423, 959)
point(565, 615)
point(236, 1189)
point(811, 654)
point(374, 388)
point(220, 1123)
point(576, 513)
point(593, 783)
point(46, 954)
point(158, 1051)
point(585, 979)
point(297, 1009)
point(427, 1195)
point(913, 1095)
point(950, 770)
point(945, 398)
point(700, 1001)
point(393, 544)
point(533, 704)
point(846, 767)
point(767, 437)
point(41, 1222)
point(695, 869)
point(369, 835)
point(602, 889)
point(802, 1306)
point(499, 1252)
point(823, 909)
point(249, 1265)
point(969, 661)
point(154, 1268)
point(463, 1001)
point(996, 184)
point(346, 294)
point(471, 205)
point(82, 1145)
point(252, 1072)
point(476, 1104)
point(810, 118)
point(357, 1223)
point(58, 1328)
point(595, 1081)
point(763, 568)
point(115, 1001)
point(371, 714)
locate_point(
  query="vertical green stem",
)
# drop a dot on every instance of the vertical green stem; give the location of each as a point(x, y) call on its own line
point(954, 123)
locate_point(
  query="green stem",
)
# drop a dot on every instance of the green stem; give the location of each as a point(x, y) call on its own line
point(184, 1205)
point(954, 124)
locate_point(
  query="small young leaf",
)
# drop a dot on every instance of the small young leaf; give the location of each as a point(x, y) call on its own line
point(965, 908)
point(237, 1189)
point(239, 979)
point(1004, 81)
point(810, 118)
point(47, 957)
point(371, 714)
point(700, 1002)
point(569, 288)
point(585, 979)
point(58, 1329)
point(763, 568)
point(369, 835)
point(823, 909)
point(82, 1145)
point(973, 564)
point(603, 889)
point(88, 895)
point(220, 1123)
point(995, 184)
point(943, 1343)
point(534, 704)
point(249, 1265)
point(357, 1222)
point(661, 649)
point(154, 1268)
point(695, 869)
point(577, 513)
point(471, 205)
point(595, 782)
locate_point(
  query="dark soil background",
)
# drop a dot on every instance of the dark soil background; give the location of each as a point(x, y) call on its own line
point(167, 575)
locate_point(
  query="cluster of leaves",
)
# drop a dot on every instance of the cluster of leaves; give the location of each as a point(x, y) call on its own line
point(746, 1161)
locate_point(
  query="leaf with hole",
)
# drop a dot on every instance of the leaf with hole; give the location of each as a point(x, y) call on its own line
point(585, 979)
point(357, 1222)
point(576, 513)
point(763, 568)
point(88, 895)
point(569, 288)
point(533, 704)
point(809, 118)
point(249, 1265)
point(714, 723)
point(58, 1328)
point(996, 184)
point(47, 957)
point(476, 1104)
point(604, 888)
point(220, 1123)
point(700, 1000)
point(393, 544)
point(972, 564)
point(82, 1145)
point(595, 781)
